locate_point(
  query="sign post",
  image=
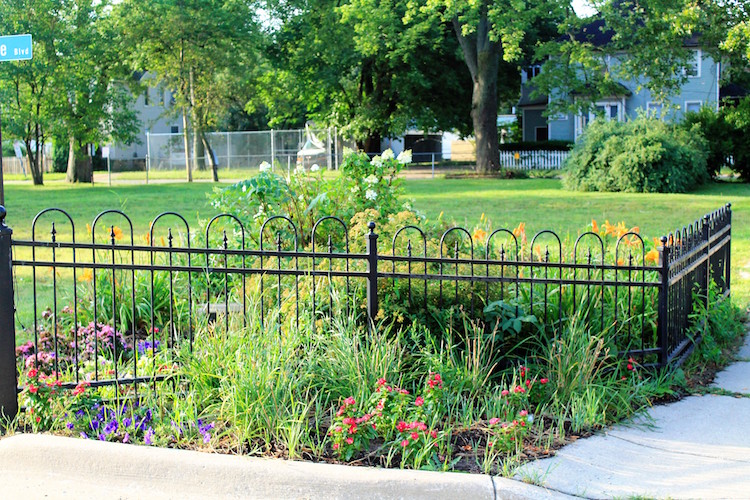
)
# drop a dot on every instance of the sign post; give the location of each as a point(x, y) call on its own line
point(12, 48)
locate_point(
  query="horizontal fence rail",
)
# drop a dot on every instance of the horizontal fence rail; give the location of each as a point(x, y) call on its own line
point(111, 308)
point(534, 159)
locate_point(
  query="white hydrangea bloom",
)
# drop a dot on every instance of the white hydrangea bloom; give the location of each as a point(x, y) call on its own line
point(377, 161)
point(355, 189)
point(244, 188)
point(315, 167)
point(404, 157)
point(388, 154)
point(265, 166)
point(371, 179)
point(371, 194)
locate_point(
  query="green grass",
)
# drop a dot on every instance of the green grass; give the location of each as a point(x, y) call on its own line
point(540, 203)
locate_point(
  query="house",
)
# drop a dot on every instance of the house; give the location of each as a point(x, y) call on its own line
point(701, 88)
point(152, 107)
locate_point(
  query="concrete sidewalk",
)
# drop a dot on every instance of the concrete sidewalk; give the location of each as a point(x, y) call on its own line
point(696, 448)
point(44, 466)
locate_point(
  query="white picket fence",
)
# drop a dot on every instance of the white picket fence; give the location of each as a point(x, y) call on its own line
point(533, 160)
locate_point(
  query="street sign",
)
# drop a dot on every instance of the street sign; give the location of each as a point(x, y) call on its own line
point(15, 48)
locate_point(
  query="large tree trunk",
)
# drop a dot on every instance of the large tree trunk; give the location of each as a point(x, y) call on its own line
point(32, 159)
point(80, 167)
point(211, 157)
point(371, 144)
point(482, 57)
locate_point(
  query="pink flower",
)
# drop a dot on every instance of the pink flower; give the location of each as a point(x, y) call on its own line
point(494, 420)
point(349, 440)
point(405, 443)
point(505, 392)
point(523, 413)
point(335, 446)
point(419, 401)
point(349, 401)
point(433, 434)
point(381, 381)
point(401, 426)
point(543, 381)
point(414, 436)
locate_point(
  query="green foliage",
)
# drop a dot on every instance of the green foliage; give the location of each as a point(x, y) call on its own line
point(726, 133)
point(717, 322)
point(537, 146)
point(641, 155)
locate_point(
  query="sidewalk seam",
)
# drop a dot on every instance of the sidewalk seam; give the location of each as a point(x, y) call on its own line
point(678, 453)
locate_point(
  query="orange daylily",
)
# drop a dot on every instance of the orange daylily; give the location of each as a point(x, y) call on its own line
point(594, 226)
point(652, 256)
point(117, 232)
point(479, 234)
point(88, 228)
point(87, 275)
point(520, 232)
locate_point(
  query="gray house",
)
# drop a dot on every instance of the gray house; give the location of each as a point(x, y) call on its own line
point(701, 88)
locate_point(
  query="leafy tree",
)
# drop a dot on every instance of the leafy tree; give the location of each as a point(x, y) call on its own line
point(356, 65)
point(26, 86)
point(628, 40)
point(92, 103)
point(488, 31)
point(197, 48)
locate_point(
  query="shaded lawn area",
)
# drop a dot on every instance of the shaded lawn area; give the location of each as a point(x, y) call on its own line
point(540, 203)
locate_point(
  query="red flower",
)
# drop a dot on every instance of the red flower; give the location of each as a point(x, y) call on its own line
point(353, 429)
point(415, 436)
point(335, 446)
point(433, 434)
point(523, 370)
point(543, 381)
point(349, 400)
point(349, 440)
point(630, 367)
point(528, 383)
point(405, 443)
point(419, 401)
point(401, 426)
point(33, 388)
point(505, 392)
point(33, 373)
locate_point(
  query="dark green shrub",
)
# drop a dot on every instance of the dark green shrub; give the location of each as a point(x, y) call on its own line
point(641, 155)
point(717, 133)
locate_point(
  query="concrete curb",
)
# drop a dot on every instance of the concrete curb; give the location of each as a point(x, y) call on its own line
point(34, 466)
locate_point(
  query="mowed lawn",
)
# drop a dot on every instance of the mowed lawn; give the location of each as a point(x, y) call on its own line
point(540, 203)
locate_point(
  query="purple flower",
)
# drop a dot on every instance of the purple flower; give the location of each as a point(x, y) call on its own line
point(147, 439)
point(102, 437)
point(127, 421)
point(70, 426)
point(126, 438)
point(84, 435)
point(111, 427)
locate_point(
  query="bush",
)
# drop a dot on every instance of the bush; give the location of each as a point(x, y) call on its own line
point(642, 155)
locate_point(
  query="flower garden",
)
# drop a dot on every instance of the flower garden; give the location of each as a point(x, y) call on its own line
point(256, 334)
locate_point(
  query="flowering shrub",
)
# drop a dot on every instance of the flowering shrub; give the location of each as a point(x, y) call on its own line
point(39, 396)
point(396, 417)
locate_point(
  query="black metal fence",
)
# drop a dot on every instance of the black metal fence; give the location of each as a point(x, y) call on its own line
point(126, 296)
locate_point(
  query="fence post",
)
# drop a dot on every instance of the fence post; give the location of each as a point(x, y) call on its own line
point(707, 239)
point(8, 376)
point(662, 322)
point(372, 274)
point(728, 251)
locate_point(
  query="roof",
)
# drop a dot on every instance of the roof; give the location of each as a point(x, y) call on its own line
point(528, 100)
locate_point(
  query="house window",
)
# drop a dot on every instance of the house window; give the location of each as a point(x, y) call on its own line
point(533, 71)
point(693, 67)
point(693, 106)
point(609, 110)
point(146, 97)
point(541, 134)
point(654, 109)
point(175, 129)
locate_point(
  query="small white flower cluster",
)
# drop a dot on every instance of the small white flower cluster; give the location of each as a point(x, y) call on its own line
point(315, 167)
point(265, 166)
point(371, 179)
point(371, 194)
point(388, 154)
point(300, 169)
point(404, 157)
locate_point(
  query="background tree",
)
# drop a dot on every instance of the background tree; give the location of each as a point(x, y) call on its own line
point(357, 66)
point(91, 100)
point(193, 47)
point(488, 31)
point(26, 87)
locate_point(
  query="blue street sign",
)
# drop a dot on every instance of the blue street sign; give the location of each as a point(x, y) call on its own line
point(15, 48)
